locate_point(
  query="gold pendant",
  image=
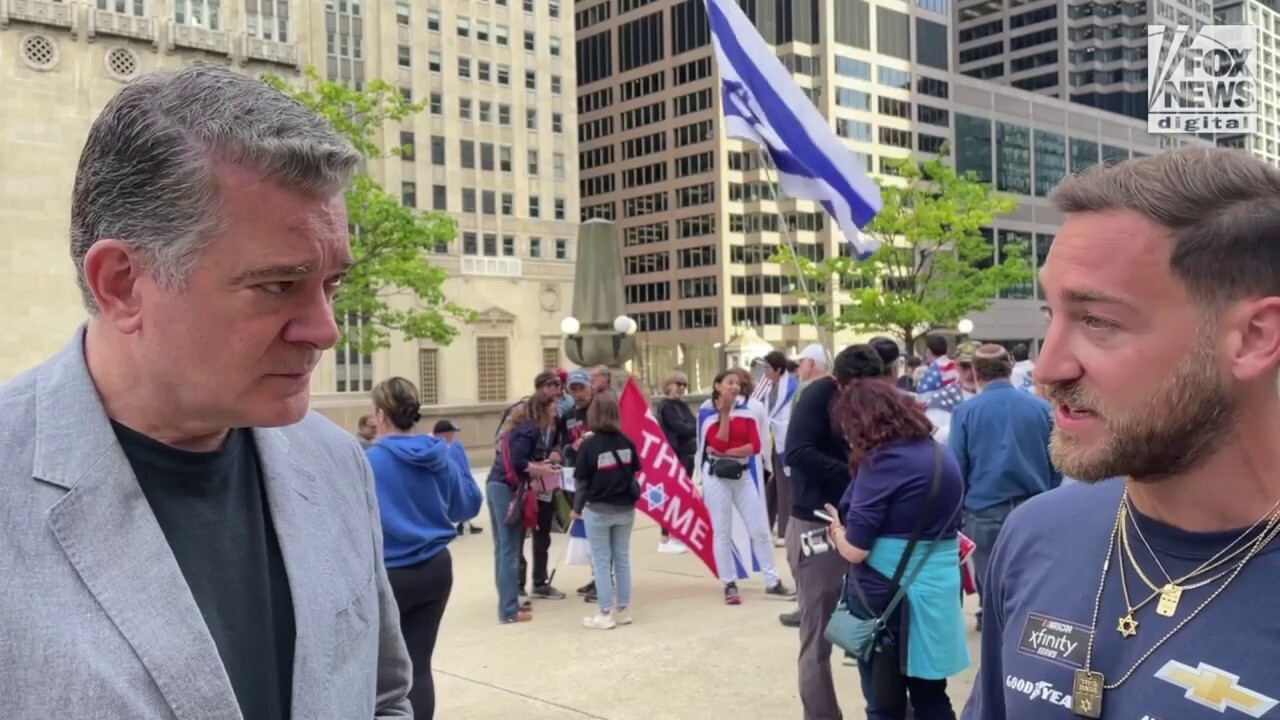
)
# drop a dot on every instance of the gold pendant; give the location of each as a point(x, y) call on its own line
point(1086, 694)
point(1128, 627)
point(1169, 596)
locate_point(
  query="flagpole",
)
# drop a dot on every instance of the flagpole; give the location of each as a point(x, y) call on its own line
point(791, 242)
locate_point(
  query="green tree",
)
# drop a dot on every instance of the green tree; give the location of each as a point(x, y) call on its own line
point(392, 286)
point(933, 267)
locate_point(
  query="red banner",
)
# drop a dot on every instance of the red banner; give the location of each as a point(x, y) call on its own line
point(667, 492)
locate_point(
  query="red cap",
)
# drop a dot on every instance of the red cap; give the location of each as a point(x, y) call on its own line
point(563, 375)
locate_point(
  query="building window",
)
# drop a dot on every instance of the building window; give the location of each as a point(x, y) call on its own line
point(437, 150)
point(555, 47)
point(508, 204)
point(530, 119)
point(1013, 158)
point(404, 56)
point(508, 246)
point(1051, 161)
point(559, 209)
point(557, 166)
point(530, 80)
point(555, 84)
point(504, 115)
point(437, 103)
point(198, 13)
point(557, 123)
point(504, 75)
point(464, 67)
point(973, 146)
point(464, 27)
point(535, 206)
point(353, 371)
point(550, 358)
point(433, 20)
point(1084, 155)
point(491, 369)
point(434, 62)
point(482, 31)
point(464, 108)
point(407, 151)
point(530, 42)
point(533, 163)
point(429, 376)
point(1007, 238)
point(409, 194)
point(439, 197)
point(562, 249)
point(535, 247)
point(468, 200)
point(136, 8)
point(501, 35)
point(402, 11)
point(266, 19)
point(470, 243)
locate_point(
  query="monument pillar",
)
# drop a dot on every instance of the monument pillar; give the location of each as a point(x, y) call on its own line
point(599, 332)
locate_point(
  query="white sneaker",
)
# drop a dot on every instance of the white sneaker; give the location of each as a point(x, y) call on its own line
point(671, 547)
point(599, 622)
point(623, 616)
point(779, 542)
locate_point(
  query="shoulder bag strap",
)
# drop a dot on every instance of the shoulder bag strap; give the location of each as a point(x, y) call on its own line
point(934, 486)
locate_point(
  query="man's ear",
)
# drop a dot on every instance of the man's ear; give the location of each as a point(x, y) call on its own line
point(112, 271)
point(1254, 343)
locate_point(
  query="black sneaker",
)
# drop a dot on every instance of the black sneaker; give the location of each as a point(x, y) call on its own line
point(474, 529)
point(791, 619)
point(780, 590)
point(588, 589)
point(462, 529)
point(731, 596)
point(547, 592)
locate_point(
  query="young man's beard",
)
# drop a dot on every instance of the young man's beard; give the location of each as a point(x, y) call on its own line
point(1181, 424)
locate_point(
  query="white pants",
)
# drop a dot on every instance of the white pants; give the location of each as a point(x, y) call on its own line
point(722, 498)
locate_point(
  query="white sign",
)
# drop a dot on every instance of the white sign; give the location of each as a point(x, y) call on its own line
point(1202, 81)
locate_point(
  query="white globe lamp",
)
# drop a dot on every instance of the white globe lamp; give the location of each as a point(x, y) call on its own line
point(624, 325)
point(965, 326)
point(570, 326)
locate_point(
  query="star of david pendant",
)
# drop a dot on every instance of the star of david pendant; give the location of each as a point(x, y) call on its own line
point(1127, 627)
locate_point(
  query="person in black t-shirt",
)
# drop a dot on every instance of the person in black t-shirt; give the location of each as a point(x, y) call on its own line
point(182, 536)
point(608, 465)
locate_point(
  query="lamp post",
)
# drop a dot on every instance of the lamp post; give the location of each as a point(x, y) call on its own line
point(964, 327)
point(618, 332)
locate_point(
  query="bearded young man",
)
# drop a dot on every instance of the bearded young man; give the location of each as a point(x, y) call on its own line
point(1151, 596)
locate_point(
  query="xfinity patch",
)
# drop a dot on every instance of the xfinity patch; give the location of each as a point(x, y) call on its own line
point(1055, 640)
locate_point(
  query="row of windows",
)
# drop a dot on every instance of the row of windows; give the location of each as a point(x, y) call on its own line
point(354, 373)
point(491, 156)
point(265, 19)
point(480, 70)
point(486, 202)
point(1024, 161)
point(494, 245)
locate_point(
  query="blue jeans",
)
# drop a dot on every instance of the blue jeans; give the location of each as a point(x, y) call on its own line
point(507, 542)
point(609, 535)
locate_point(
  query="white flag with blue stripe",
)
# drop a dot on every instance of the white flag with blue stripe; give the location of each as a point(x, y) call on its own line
point(577, 550)
point(763, 104)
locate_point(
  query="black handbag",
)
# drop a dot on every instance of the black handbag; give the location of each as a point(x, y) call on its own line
point(725, 468)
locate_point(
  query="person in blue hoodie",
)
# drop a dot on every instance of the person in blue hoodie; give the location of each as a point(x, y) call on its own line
point(447, 431)
point(423, 493)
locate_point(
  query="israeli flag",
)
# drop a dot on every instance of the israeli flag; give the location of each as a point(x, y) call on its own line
point(578, 550)
point(764, 105)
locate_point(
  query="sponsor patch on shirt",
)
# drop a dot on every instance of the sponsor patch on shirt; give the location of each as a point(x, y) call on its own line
point(1058, 641)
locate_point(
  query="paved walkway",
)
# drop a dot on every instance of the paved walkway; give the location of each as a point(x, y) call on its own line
point(687, 655)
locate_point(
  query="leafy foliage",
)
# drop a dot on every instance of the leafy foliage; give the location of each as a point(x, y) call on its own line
point(933, 266)
point(393, 286)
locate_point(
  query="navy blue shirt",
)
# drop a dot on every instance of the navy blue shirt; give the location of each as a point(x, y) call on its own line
point(1038, 605)
point(886, 498)
point(1001, 440)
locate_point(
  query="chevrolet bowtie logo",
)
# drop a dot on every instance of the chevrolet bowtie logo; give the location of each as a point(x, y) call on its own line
point(1214, 688)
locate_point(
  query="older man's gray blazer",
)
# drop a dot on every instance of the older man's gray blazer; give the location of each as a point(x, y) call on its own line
point(96, 620)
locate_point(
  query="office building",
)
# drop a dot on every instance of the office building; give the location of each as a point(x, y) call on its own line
point(1092, 53)
point(1264, 142)
point(698, 213)
point(494, 148)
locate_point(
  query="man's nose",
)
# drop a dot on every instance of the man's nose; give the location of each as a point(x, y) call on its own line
point(315, 325)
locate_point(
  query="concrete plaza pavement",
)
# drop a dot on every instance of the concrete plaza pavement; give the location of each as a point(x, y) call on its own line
point(688, 655)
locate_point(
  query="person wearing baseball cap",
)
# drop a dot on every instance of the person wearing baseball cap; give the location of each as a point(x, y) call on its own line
point(573, 429)
point(448, 431)
point(1000, 439)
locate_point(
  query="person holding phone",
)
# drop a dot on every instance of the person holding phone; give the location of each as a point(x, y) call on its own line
point(516, 464)
point(896, 462)
point(730, 436)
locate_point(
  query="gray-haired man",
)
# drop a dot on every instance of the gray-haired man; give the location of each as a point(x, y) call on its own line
point(189, 540)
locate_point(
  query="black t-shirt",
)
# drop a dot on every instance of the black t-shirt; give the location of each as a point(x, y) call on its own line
point(212, 508)
point(607, 463)
point(571, 426)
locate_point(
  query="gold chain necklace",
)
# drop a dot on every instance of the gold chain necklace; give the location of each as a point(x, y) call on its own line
point(1089, 685)
point(1170, 592)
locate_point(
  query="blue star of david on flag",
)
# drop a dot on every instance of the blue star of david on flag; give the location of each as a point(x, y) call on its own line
point(656, 496)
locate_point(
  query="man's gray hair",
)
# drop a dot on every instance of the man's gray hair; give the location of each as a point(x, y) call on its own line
point(1221, 207)
point(147, 172)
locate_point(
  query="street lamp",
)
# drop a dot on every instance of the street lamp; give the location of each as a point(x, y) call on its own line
point(570, 326)
point(624, 325)
point(965, 326)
